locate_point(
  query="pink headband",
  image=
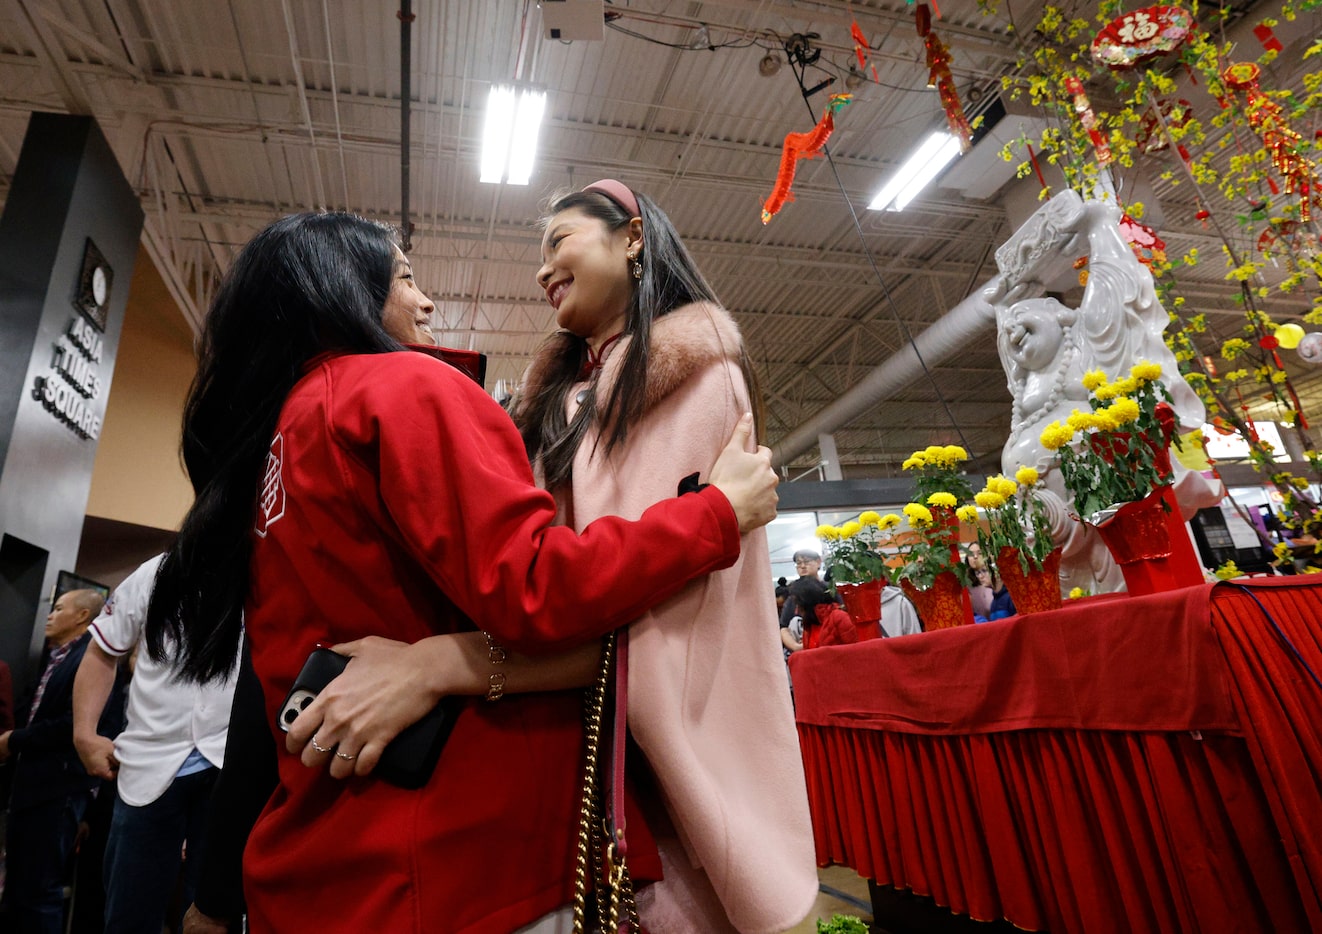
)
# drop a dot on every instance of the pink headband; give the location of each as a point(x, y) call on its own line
point(617, 192)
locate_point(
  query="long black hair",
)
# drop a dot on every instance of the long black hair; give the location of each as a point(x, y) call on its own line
point(670, 280)
point(307, 285)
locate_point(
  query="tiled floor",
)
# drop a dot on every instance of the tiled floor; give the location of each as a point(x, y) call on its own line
point(841, 879)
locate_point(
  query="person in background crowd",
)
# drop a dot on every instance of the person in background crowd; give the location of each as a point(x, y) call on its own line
point(980, 591)
point(808, 564)
point(898, 615)
point(824, 622)
point(164, 762)
point(51, 790)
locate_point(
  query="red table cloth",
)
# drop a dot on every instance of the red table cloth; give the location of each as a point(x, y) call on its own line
point(1122, 764)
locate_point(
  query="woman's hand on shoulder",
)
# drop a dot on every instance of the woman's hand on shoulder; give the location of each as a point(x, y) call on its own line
point(746, 478)
point(386, 687)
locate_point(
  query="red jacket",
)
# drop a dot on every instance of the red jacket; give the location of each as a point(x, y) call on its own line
point(834, 627)
point(398, 501)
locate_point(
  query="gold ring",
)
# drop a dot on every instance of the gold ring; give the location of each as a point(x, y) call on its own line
point(318, 747)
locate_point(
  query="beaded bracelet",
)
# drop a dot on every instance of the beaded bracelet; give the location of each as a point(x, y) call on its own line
point(496, 654)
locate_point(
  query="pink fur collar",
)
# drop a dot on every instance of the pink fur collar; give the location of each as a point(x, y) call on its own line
point(686, 340)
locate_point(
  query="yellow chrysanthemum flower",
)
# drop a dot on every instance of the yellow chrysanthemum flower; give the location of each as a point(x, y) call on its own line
point(967, 514)
point(1002, 485)
point(913, 463)
point(1124, 411)
point(828, 533)
point(869, 518)
point(851, 528)
point(1107, 392)
point(1026, 476)
point(942, 500)
point(888, 521)
point(1146, 371)
point(989, 500)
point(1055, 436)
point(1094, 379)
point(919, 515)
point(1080, 421)
point(954, 454)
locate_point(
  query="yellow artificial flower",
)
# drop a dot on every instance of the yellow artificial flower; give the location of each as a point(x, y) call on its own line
point(1077, 592)
point(1281, 551)
point(1026, 476)
point(870, 518)
point(850, 529)
point(967, 514)
point(888, 521)
point(942, 500)
point(919, 515)
point(1299, 483)
point(1093, 379)
point(1055, 436)
point(828, 533)
point(1146, 371)
point(1228, 571)
point(989, 500)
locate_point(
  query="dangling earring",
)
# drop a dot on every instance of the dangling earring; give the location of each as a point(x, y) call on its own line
point(637, 266)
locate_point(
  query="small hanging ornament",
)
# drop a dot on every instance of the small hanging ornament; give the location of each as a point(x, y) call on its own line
point(1141, 36)
point(1268, 119)
point(861, 43)
point(1083, 107)
point(801, 146)
point(939, 77)
point(1174, 114)
point(1143, 240)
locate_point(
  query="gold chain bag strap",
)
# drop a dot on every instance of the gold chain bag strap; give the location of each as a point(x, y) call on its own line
point(601, 840)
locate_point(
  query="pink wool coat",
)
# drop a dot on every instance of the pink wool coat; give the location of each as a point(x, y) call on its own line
point(708, 705)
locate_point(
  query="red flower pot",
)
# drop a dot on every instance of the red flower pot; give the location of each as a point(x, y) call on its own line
point(942, 605)
point(1149, 541)
point(862, 601)
point(1035, 591)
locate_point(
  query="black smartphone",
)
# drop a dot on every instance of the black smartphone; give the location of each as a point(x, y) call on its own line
point(411, 756)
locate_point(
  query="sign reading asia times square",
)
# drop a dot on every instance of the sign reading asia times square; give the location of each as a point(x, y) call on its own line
point(72, 387)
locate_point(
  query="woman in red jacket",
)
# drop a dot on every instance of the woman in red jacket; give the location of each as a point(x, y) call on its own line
point(346, 489)
point(824, 622)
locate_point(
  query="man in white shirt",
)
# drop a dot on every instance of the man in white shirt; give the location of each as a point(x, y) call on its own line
point(166, 760)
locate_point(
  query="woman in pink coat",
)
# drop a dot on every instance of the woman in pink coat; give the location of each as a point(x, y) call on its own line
point(643, 384)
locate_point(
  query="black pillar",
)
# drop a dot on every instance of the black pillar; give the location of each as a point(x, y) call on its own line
point(68, 240)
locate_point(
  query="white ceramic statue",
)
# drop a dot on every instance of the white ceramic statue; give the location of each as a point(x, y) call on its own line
point(1047, 346)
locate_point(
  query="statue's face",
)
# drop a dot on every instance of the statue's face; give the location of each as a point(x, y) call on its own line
point(1035, 332)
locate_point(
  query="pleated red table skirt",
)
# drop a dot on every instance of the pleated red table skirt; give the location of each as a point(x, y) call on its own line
point(1122, 764)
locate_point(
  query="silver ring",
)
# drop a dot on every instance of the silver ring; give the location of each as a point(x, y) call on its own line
point(344, 755)
point(318, 747)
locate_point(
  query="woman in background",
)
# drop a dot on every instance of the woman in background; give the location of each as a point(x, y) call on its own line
point(645, 379)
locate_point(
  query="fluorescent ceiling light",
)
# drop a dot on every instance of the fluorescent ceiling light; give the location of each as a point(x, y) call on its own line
point(932, 156)
point(509, 136)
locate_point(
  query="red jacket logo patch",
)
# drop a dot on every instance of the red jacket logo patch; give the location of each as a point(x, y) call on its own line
point(272, 504)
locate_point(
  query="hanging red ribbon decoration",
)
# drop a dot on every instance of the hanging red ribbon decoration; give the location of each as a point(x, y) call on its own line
point(1268, 119)
point(801, 146)
point(939, 77)
point(1083, 107)
point(861, 43)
